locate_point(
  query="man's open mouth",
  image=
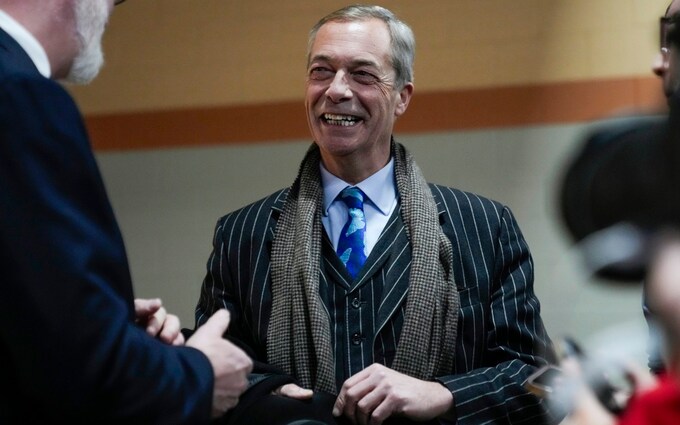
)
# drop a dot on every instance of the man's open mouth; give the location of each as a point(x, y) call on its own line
point(341, 120)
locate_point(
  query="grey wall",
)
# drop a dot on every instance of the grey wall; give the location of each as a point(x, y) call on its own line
point(167, 202)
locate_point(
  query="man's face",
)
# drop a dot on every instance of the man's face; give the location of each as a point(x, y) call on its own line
point(351, 100)
point(666, 64)
point(91, 17)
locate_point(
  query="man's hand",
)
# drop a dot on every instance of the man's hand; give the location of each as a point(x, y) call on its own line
point(294, 391)
point(151, 314)
point(230, 364)
point(377, 393)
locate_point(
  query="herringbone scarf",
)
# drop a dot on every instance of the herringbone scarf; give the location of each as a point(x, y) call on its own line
point(299, 337)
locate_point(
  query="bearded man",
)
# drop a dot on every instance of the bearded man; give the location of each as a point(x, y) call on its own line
point(74, 344)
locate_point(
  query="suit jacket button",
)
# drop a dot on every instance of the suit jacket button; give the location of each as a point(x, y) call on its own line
point(356, 303)
point(356, 338)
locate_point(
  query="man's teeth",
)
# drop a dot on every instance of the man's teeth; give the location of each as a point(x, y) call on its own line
point(343, 120)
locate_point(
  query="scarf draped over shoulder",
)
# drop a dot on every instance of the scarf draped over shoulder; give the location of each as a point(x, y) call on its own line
point(299, 337)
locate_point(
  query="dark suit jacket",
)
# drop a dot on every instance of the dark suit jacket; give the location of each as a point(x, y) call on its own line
point(501, 338)
point(69, 349)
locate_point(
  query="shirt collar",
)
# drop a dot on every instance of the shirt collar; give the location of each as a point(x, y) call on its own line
point(28, 42)
point(379, 188)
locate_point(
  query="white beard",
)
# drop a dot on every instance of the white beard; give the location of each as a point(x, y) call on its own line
point(91, 17)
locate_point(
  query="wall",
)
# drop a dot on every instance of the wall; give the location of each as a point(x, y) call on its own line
point(199, 111)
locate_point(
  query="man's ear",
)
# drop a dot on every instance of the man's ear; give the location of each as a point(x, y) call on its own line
point(404, 99)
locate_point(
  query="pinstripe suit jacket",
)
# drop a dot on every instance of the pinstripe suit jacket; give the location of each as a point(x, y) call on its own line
point(501, 338)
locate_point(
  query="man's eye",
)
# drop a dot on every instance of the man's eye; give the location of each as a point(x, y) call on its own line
point(320, 73)
point(364, 77)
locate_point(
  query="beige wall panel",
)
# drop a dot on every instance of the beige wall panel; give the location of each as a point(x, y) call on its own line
point(167, 54)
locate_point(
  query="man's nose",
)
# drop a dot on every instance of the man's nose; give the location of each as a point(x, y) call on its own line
point(659, 65)
point(339, 89)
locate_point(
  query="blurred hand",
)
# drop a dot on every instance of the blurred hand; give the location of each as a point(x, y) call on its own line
point(230, 364)
point(586, 409)
point(378, 392)
point(150, 314)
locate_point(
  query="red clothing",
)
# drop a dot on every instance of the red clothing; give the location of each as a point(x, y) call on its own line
point(660, 405)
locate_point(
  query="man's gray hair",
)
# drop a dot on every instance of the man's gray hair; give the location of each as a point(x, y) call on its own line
point(403, 42)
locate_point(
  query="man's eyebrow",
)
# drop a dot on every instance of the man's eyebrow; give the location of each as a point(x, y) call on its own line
point(355, 63)
point(323, 58)
point(365, 62)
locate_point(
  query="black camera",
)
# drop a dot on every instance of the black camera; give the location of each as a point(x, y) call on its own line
point(620, 189)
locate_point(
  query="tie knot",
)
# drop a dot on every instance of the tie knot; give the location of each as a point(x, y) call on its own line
point(353, 197)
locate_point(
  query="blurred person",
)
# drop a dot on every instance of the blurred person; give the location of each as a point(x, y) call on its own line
point(626, 174)
point(654, 401)
point(429, 315)
point(625, 185)
point(76, 346)
point(666, 66)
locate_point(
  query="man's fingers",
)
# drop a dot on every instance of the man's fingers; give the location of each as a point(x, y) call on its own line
point(179, 340)
point(156, 322)
point(339, 405)
point(217, 324)
point(146, 307)
point(294, 391)
point(171, 330)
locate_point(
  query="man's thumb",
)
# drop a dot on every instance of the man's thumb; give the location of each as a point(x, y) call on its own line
point(217, 324)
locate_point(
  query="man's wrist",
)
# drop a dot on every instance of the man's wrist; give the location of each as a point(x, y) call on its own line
point(450, 405)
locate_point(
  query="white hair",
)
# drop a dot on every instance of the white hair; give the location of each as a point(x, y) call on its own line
point(91, 18)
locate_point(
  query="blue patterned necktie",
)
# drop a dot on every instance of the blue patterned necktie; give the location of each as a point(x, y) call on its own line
point(351, 244)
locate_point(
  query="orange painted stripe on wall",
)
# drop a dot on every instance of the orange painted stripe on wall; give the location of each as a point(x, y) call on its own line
point(564, 102)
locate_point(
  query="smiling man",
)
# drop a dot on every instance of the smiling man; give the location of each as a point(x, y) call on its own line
point(400, 299)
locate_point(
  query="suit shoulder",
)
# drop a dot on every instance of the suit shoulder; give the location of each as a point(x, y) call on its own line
point(38, 115)
point(446, 196)
point(35, 97)
point(21, 83)
point(272, 202)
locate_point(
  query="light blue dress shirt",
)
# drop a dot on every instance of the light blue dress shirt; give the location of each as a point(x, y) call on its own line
point(380, 202)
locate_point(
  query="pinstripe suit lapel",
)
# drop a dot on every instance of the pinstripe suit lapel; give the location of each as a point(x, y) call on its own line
point(395, 246)
point(394, 271)
point(441, 208)
point(277, 208)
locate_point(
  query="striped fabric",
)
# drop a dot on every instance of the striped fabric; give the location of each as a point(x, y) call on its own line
point(501, 338)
